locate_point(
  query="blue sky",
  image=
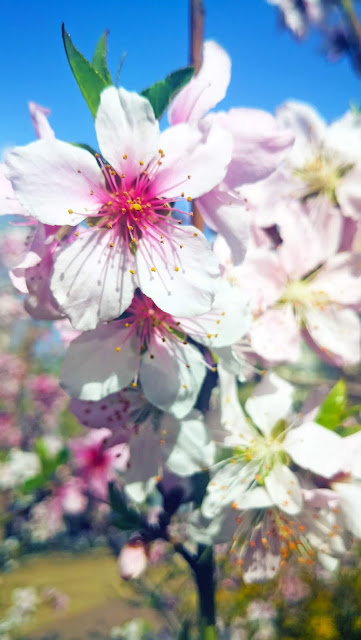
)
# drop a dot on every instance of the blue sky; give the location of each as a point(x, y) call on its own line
point(268, 65)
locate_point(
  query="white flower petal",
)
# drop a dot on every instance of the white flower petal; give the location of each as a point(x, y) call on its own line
point(93, 368)
point(271, 400)
point(284, 489)
point(193, 451)
point(315, 448)
point(91, 280)
point(181, 281)
point(51, 177)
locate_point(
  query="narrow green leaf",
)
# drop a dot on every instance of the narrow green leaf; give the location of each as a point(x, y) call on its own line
point(185, 631)
point(99, 61)
point(161, 93)
point(332, 409)
point(89, 81)
point(36, 482)
point(124, 517)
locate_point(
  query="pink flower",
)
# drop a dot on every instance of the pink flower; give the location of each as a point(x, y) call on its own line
point(133, 240)
point(296, 291)
point(151, 344)
point(95, 463)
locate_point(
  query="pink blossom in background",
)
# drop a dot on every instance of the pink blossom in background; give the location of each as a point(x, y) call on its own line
point(96, 464)
point(133, 559)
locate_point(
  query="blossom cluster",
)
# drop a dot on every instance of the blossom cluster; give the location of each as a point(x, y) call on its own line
point(166, 322)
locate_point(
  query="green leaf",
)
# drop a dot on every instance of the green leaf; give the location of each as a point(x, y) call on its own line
point(36, 482)
point(89, 81)
point(99, 61)
point(161, 93)
point(332, 409)
point(124, 517)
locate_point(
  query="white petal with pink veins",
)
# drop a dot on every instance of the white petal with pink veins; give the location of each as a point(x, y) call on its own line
point(315, 448)
point(271, 400)
point(51, 178)
point(336, 332)
point(284, 489)
point(125, 125)
point(166, 380)
point(203, 155)
point(8, 201)
point(206, 88)
point(275, 335)
point(99, 363)
point(91, 280)
point(179, 275)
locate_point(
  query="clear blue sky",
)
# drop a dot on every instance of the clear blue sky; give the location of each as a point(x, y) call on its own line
point(268, 65)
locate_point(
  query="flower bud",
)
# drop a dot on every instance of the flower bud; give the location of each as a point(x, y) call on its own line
point(133, 559)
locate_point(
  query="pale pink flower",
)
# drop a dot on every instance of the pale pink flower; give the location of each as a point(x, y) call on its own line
point(39, 118)
point(133, 240)
point(151, 344)
point(297, 291)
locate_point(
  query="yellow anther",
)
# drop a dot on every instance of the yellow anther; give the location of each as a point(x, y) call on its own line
point(118, 349)
point(161, 152)
point(189, 199)
point(132, 272)
point(127, 325)
point(134, 384)
point(176, 268)
point(130, 227)
point(153, 269)
point(184, 386)
point(113, 173)
point(111, 244)
point(195, 234)
point(209, 335)
point(141, 162)
point(125, 156)
point(136, 206)
point(125, 193)
point(188, 177)
point(181, 246)
point(182, 194)
point(91, 192)
point(70, 211)
point(76, 233)
point(109, 225)
point(109, 203)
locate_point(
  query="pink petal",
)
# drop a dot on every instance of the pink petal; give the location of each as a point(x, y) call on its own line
point(337, 333)
point(205, 89)
point(166, 380)
point(227, 215)
point(275, 335)
point(348, 193)
point(93, 367)
point(9, 205)
point(91, 280)
point(263, 277)
point(340, 279)
point(202, 154)
point(307, 125)
point(126, 126)
point(189, 289)
point(51, 177)
point(39, 117)
point(259, 144)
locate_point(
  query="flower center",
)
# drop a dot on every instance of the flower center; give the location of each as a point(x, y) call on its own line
point(321, 176)
point(300, 294)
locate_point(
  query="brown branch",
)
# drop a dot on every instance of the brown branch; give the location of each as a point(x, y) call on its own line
point(197, 12)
